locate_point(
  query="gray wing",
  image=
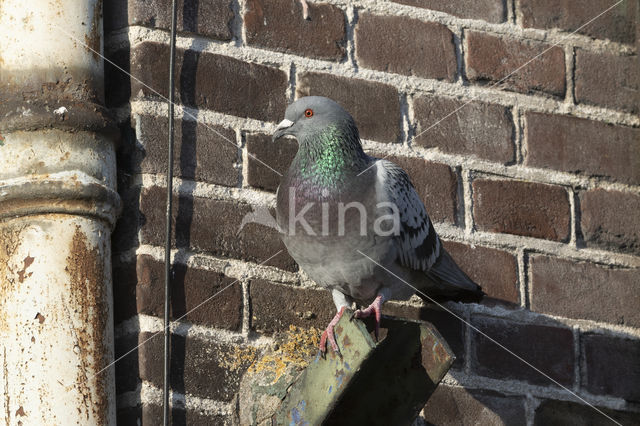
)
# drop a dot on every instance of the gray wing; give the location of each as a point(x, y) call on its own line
point(417, 243)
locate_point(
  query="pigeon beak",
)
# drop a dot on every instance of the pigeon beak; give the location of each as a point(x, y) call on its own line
point(282, 128)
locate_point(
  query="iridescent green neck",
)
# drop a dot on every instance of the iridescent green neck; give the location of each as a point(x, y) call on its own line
point(328, 157)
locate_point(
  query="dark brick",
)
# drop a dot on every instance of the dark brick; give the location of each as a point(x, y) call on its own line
point(210, 18)
point(490, 58)
point(213, 226)
point(117, 83)
point(452, 329)
point(426, 49)
point(564, 413)
point(549, 349)
point(610, 220)
point(622, 360)
point(577, 145)
point(477, 128)
point(149, 414)
point(609, 80)
point(125, 234)
point(521, 208)
point(201, 152)
point(278, 25)
point(436, 184)
point(494, 270)
point(277, 155)
point(126, 356)
point(618, 24)
point(210, 81)
point(198, 367)
point(584, 290)
point(197, 296)
point(459, 406)
point(374, 106)
point(274, 307)
point(487, 10)
point(124, 290)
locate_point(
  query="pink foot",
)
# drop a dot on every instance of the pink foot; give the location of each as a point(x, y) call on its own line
point(328, 334)
point(374, 308)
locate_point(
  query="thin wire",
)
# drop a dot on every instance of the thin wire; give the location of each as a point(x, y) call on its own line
point(167, 243)
point(491, 339)
point(507, 76)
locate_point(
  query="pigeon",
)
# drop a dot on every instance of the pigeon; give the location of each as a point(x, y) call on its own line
point(355, 223)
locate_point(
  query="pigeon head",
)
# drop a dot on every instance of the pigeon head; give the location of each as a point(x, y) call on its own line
point(311, 116)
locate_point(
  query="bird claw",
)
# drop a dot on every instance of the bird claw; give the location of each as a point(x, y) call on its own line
point(328, 335)
point(374, 308)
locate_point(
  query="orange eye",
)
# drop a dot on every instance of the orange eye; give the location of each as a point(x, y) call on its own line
point(308, 113)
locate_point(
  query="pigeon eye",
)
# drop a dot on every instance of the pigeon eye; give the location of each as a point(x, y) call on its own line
point(308, 112)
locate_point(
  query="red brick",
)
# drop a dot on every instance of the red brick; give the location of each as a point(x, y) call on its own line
point(608, 80)
point(521, 208)
point(450, 405)
point(201, 152)
point(198, 366)
point(551, 412)
point(476, 128)
point(618, 24)
point(487, 10)
point(210, 18)
point(212, 226)
point(278, 155)
point(610, 220)
point(584, 290)
point(436, 184)
point(210, 81)
point(407, 46)
point(494, 270)
point(548, 348)
point(577, 145)
point(491, 59)
point(274, 307)
point(197, 296)
point(622, 360)
point(278, 25)
point(374, 106)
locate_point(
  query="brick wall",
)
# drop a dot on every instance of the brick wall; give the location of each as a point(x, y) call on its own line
point(533, 182)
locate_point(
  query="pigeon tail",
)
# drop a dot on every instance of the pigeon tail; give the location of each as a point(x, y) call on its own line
point(451, 282)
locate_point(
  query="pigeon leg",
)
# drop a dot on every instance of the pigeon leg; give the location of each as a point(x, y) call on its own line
point(328, 333)
point(374, 308)
point(305, 10)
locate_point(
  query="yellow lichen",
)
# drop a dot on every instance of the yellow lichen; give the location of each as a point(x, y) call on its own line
point(238, 358)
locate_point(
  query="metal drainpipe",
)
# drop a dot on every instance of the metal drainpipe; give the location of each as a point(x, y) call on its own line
point(58, 205)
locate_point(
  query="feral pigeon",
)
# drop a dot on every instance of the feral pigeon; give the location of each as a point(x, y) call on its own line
point(353, 221)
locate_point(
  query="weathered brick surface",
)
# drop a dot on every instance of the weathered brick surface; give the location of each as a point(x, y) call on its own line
point(198, 367)
point(124, 290)
point(487, 10)
point(491, 59)
point(125, 234)
point(577, 145)
point(374, 106)
point(476, 128)
point(201, 152)
point(277, 155)
point(127, 366)
point(618, 24)
point(210, 81)
point(521, 208)
point(551, 412)
point(610, 220)
point(210, 18)
point(197, 296)
point(621, 357)
point(449, 406)
point(450, 328)
point(494, 270)
point(427, 49)
point(213, 226)
point(436, 184)
point(276, 24)
point(604, 294)
point(548, 348)
point(608, 80)
point(149, 414)
point(275, 306)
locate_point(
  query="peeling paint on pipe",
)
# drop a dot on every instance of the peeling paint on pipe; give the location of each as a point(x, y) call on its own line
point(58, 205)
